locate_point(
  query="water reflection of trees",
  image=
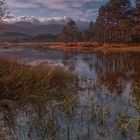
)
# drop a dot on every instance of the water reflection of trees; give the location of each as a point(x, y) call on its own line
point(116, 71)
point(122, 63)
point(69, 59)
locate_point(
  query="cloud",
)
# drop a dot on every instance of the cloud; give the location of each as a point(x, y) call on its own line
point(50, 8)
point(20, 4)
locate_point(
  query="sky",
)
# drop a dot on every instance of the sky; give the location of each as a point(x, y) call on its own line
point(77, 9)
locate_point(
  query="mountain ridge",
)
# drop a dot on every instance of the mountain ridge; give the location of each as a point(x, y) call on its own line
point(51, 20)
point(32, 26)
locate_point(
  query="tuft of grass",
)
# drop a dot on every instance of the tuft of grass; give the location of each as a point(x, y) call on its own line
point(19, 81)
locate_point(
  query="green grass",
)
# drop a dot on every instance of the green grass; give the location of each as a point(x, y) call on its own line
point(20, 82)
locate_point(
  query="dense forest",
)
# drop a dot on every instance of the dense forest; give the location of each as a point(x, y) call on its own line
point(118, 21)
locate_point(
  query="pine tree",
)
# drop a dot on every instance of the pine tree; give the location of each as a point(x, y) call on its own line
point(89, 33)
point(137, 22)
point(114, 21)
point(137, 10)
point(64, 35)
point(91, 25)
point(70, 32)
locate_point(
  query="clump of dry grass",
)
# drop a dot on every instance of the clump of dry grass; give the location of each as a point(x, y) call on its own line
point(19, 81)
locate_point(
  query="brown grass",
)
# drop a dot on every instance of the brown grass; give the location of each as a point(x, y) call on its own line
point(19, 81)
point(98, 47)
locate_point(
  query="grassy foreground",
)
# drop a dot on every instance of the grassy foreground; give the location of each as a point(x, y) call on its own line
point(21, 82)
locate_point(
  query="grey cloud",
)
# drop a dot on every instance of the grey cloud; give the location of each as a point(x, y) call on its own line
point(73, 8)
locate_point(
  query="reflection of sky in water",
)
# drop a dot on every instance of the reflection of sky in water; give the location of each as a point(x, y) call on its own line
point(32, 56)
point(83, 69)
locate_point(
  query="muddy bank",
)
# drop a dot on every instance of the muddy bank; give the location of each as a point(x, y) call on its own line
point(95, 47)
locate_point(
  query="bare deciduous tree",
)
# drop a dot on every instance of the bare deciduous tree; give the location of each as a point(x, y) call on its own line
point(3, 13)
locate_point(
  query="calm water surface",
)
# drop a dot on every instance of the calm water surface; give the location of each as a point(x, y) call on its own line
point(107, 108)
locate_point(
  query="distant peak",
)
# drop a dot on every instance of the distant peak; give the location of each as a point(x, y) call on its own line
point(44, 20)
point(30, 19)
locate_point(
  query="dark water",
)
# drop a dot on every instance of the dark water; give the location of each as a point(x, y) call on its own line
point(108, 108)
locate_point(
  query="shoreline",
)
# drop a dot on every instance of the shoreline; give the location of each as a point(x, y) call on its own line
point(79, 47)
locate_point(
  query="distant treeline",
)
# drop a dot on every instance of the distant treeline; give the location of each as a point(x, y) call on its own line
point(118, 21)
point(16, 38)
